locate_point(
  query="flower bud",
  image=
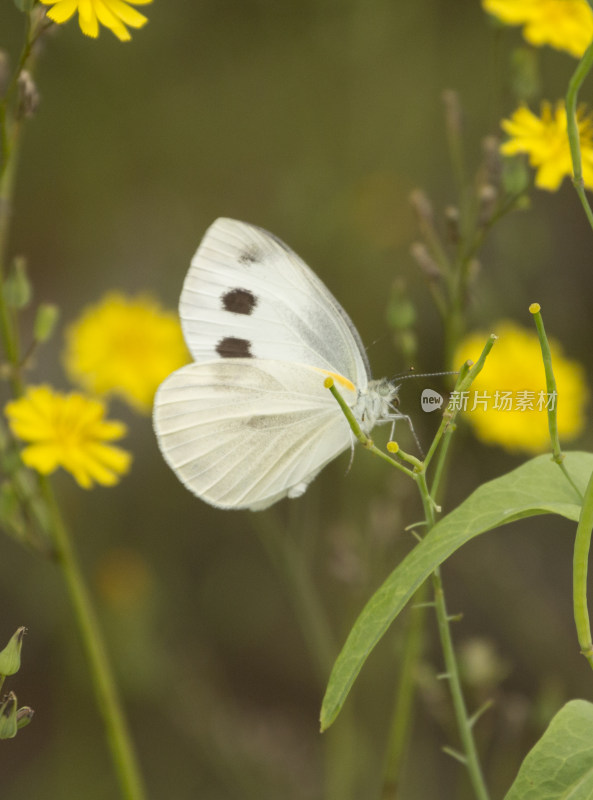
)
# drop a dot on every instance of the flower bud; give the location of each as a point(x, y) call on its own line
point(425, 261)
point(8, 712)
point(24, 716)
point(10, 657)
point(28, 95)
point(491, 167)
point(487, 197)
point(4, 72)
point(401, 317)
point(422, 206)
point(401, 312)
point(453, 113)
point(452, 222)
point(17, 287)
point(45, 322)
point(515, 175)
point(525, 74)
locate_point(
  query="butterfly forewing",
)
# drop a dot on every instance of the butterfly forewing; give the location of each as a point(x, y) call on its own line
point(248, 295)
point(243, 433)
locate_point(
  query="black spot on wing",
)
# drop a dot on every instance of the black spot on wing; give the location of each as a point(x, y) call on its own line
point(251, 255)
point(231, 347)
point(239, 301)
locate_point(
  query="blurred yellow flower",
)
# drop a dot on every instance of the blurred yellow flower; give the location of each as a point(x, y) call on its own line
point(113, 14)
point(545, 140)
point(563, 24)
point(69, 431)
point(124, 346)
point(507, 403)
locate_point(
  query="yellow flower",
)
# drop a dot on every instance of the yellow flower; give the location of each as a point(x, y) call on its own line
point(68, 430)
point(545, 140)
point(114, 14)
point(124, 346)
point(510, 394)
point(563, 24)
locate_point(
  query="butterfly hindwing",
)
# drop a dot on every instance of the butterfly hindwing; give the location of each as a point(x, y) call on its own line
point(243, 433)
point(248, 295)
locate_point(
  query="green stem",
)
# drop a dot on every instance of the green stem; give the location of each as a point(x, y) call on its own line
point(454, 140)
point(105, 690)
point(401, 724)
point(579, 574)
point(467, 374)
point(108, 701)
point(574, 85)
point(366, 441)
point(436, 488)
point(552, 408)
point(550, 382)
point(470, 757)
point(402, 719)
point(10, 145)
point(7, 331)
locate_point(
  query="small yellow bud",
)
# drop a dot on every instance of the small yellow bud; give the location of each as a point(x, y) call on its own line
point(534, 308)
point(328, 382)
point(392, 447)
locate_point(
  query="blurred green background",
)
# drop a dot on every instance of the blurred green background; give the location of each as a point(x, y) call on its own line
point(314, 119)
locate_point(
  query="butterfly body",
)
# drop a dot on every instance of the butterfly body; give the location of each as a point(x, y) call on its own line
point(250, 421)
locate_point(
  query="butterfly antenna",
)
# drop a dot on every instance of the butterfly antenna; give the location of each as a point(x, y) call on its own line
point(423, 375)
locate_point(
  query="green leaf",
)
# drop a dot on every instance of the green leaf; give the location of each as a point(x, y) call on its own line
point(536, 487)
point(561, 764)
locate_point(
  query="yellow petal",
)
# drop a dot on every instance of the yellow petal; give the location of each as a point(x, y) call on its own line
point(126, 13)
point(549, 177)
point(42, 457)
point(109, 20)
point(114, 458)
point(512, 12)
point(87, 18)
point(62, 10)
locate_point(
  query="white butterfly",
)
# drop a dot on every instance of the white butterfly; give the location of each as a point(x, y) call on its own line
point(250, 421)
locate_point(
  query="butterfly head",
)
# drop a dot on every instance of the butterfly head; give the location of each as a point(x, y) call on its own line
point(377, 404)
